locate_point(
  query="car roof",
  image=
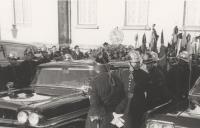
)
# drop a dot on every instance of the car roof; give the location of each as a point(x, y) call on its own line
point(10, 42)
point(119, 64)
point(68, 63)
point(87, 63)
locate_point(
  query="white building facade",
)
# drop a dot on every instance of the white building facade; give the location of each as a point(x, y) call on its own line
point(89, 23)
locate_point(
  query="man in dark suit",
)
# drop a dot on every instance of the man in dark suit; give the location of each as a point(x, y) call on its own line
point(135, 82)
point(105, 94)
point(178, 77)
point(12, 72)
point(157, 92)
point(77, 54)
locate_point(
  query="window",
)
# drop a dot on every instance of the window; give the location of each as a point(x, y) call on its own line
point(136, 14)
point(191, 15)
point(22, 12)
point(87, 13)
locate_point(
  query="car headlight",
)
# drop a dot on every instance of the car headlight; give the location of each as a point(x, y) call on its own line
point(33, 119)
point(22, 117)
point(159, 124)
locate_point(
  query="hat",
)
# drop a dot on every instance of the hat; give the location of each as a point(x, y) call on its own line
point(76, 46)
point(184, 55)
point(150, 57)
point(135, 56)
point(105, 44)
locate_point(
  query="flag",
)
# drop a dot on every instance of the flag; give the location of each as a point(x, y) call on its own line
point(178, 47)
point(2, 50)
point(162, 38)
point(136, 40)
point(153, 42)
point(189, 44)
point(144, 40)
point(184, 42)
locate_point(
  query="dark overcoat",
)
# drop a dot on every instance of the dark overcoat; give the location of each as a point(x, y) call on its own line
point(133, 117)
point(157, 92)
point(105, 95)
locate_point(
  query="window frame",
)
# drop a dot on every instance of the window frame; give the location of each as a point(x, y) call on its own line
point(136, 26)
point(187, 27)
point(85, 25)
point(25, 21)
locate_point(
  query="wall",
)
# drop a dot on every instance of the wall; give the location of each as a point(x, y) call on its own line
point(43, 27)
point(164, 13)
point(110, 13)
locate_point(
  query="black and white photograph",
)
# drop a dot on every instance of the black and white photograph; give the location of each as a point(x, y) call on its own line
point(99, 63)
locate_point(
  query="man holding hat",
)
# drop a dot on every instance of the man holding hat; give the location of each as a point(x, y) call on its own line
point(105, 93)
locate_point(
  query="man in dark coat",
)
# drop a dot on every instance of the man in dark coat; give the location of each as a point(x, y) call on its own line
point(12, 72)
point(55, 54)
point(105, 94)
point(157, 92)
point(102, 56)
point(28, 70)
point(77, 54)
point(135, 81)
point(178, 77)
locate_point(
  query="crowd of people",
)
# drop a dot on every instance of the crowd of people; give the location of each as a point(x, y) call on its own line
point(121, 97)
point(21, 70)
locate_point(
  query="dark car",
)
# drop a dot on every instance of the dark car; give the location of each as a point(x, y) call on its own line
point(56, 97)
point(182, 114)
point(11, 47)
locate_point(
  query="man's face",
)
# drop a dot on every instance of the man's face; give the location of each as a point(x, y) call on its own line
point(77, 49)
point(54, 49)
point(13, 61)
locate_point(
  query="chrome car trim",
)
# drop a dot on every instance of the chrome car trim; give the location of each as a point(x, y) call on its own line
point(179, 126)
point(8, 121)
point(60, 119)
point(161, 121)
point(154, 109)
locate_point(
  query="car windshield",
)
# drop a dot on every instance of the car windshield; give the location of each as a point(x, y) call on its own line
point(74, 77)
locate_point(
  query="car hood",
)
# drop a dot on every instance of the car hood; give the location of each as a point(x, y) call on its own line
point(48, 101)
point(40, 96)
point(189, 117)
point(24, 100)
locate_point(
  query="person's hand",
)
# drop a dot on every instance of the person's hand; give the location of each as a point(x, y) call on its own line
point(117, 120)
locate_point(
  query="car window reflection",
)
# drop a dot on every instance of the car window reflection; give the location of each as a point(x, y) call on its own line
point(70, 78)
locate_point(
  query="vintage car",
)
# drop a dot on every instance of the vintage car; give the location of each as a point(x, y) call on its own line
point(56, 98)
point(182, 114)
